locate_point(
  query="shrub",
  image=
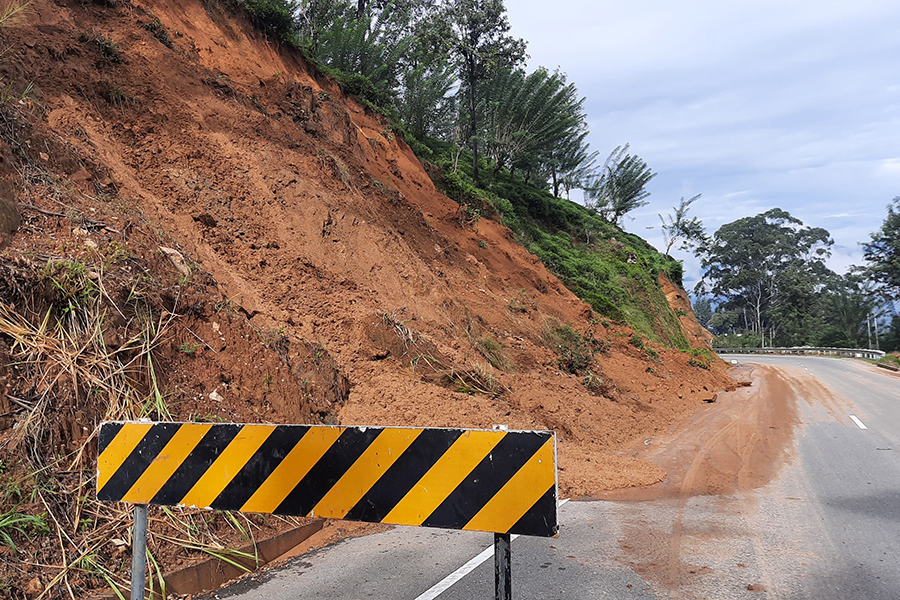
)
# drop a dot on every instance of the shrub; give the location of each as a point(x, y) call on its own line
point(275, 16)
point(108, 49)
point(698, 362)
point(575, 354)
point(160, 32)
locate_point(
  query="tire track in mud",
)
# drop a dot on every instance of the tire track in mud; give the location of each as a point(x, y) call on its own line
point(722, 452)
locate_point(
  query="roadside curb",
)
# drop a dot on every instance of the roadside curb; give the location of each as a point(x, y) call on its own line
point(211, 574)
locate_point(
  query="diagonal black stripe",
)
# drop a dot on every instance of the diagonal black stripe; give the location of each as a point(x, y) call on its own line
point(108, 432)
point(195, 465)
point(403, 475)
point(486, 479)
point(325, 473)
point(137, 462)
point(540, 519)
point(259, 467)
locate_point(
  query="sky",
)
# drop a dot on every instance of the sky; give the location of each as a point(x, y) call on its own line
point(754, 105)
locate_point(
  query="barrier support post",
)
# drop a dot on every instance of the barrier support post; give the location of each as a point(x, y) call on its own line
point(502, 566)
point(139, 552)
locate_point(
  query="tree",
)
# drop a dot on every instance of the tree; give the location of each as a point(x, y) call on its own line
point(690, 232)
point(883, 253)
point(371, 45)
point(572, 163)
point(767, 268)
point(703, 310)
point(528, 117)
point(847, 303)
point(620, 187)
point(476, 33)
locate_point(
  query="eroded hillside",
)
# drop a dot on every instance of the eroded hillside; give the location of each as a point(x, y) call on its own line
point(294, 259)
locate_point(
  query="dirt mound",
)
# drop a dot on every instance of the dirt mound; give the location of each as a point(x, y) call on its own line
point(310, 269)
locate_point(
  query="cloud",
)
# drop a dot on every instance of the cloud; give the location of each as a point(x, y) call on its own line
point(755, 105)
point(890, 166)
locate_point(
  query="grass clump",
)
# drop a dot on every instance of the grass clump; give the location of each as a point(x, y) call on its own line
point(704, 353)
point(12, 11)
point(14, 523)
point(575, 352)
point(108, 49)
point(492, 350)
point(596, 384)
point(699, 362)
point(701, 358)
point(160, 32)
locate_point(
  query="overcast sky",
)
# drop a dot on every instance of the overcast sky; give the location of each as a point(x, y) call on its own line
point(755, 105)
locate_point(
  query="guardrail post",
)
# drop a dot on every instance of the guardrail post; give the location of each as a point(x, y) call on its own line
point(502, 566)
point(139, 552)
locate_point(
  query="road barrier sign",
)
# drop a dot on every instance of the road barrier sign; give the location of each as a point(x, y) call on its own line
point(484, 480)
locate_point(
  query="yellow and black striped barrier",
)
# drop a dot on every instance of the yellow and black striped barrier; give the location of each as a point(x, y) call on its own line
point(484, 480)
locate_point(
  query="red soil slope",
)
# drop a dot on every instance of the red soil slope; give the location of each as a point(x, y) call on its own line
point(296, 207)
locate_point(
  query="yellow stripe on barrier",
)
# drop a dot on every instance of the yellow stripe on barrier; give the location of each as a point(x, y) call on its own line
point(119, 449)
point(519, 494)
point(166, 463)
point(311, 447)
point(441, 479)
point(367, 470)
point(227, 465)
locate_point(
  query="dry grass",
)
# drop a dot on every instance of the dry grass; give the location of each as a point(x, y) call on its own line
point(13, 11)
point(63, 355)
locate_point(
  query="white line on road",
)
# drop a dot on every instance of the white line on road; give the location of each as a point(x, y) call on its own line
point(858, 422)
point(447, 582)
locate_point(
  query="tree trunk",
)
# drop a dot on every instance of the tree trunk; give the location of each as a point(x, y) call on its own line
point(473, 128)
point(759, 329)
point(555, 183)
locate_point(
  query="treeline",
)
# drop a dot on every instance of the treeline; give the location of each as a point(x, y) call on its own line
point(765, 283)
point(448, 73)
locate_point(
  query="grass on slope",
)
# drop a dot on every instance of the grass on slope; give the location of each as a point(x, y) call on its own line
point(613, 271)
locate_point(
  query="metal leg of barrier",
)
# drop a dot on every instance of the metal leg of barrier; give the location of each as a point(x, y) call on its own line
point(139, 552)
point(502, 566)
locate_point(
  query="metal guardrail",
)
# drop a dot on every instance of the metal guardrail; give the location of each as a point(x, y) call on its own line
point(851, 352)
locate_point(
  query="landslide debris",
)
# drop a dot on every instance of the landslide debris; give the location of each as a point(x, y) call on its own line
point(198, 225)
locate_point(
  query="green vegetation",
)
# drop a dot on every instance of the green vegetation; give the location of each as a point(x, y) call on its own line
point(108, 49)
point(12, 523)
point(677, 228)
point(160, 32)
point(614, 271)
point(576, 353)
point(492, 350)
point(882, 253)
point(768, 279)
point(274, 16)
point(188, 347)
point(620, 186)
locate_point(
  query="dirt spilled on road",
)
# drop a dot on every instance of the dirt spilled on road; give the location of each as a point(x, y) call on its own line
point(724, 450)
point(736, 444)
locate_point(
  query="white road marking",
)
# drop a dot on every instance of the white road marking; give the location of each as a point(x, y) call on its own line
point(858, 422)
point(447, 582)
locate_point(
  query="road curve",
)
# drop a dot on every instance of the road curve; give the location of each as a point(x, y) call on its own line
point(775, 491)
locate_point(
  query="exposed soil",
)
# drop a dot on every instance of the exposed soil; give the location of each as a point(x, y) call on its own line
point(733, 446)
point(310, 270)
point(726, 450)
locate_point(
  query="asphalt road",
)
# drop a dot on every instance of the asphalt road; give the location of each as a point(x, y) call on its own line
point(825, 527)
